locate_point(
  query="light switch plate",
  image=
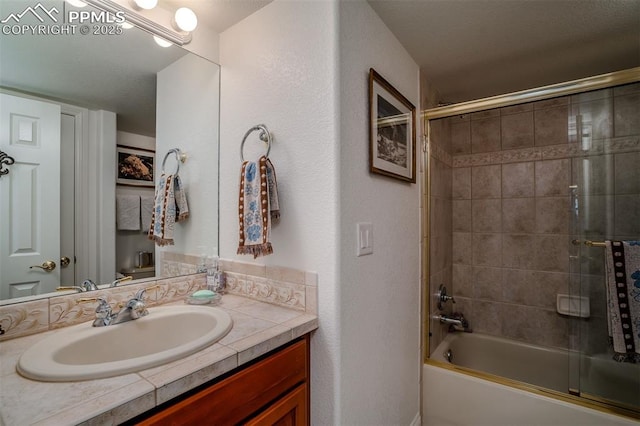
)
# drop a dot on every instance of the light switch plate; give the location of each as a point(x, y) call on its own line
point(364, 238)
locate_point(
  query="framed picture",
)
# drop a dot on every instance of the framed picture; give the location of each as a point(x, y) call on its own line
point(134, 166)
point(392, 127)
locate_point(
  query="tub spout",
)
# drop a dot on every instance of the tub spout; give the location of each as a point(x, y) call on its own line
point(446, 320)
point(456, 322)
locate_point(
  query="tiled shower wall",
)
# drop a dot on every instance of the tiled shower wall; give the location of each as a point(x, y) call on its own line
point(510, 170)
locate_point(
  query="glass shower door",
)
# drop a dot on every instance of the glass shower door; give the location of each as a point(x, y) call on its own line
point(604, 205)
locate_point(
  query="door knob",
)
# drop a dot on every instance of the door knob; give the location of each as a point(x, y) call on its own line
point(48, 266)
point(64, 261)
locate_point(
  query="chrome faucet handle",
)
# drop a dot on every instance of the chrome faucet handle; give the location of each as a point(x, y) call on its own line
point(443, 297)
point(140, 294)
point(103, 310)
point(120, 280)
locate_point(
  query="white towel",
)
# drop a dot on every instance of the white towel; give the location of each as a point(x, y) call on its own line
point(128, 212)
point(146, 211)
point(623, 298)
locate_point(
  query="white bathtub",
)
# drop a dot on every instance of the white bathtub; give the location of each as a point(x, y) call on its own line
point(506, 358)
point(454, 398)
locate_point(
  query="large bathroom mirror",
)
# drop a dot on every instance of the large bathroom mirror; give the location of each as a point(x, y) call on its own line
point(89, 120)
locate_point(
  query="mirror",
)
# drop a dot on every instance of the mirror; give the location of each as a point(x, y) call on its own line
point(118, 101)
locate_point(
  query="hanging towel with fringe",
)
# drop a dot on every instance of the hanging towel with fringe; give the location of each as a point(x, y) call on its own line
point(257, 205)
point(623, 298)
point(170, 206)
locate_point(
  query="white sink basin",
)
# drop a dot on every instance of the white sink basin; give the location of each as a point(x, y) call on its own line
point(83, 352)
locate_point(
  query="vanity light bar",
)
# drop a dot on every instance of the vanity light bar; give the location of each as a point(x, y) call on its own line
point(177, 38)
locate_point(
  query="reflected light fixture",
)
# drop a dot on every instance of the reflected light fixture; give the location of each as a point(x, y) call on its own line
point(145, 4)
point(126, 26)
point(185, 19)
point(76, 3)
point(162, 42)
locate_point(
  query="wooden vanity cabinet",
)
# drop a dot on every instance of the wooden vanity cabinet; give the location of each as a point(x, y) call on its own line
point(272, 391)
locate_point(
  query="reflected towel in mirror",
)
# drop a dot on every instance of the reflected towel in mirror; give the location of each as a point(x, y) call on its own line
point(128, 212)
point(170, 206)
point(146, 211)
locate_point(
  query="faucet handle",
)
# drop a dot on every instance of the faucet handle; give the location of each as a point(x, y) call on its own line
point(103, 311)
point(443, 297)
point(140, 294)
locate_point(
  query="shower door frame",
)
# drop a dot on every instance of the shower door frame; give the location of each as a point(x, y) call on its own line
point(573, 87)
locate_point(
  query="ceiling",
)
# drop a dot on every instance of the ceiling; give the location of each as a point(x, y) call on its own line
point(466, 49)
point(471, 49)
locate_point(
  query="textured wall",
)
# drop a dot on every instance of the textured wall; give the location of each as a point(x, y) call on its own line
point(380, 295)
point(279, 69)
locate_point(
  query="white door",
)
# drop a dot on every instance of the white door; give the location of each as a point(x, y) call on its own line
point(29, 197)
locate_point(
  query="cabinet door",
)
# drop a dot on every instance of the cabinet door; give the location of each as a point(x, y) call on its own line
point(291, 410)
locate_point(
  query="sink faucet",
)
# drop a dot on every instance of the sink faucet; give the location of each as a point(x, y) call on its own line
point(135, 308)
point(89, 285)
point(119, 280)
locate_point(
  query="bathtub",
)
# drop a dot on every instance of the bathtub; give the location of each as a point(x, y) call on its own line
point(453, 398)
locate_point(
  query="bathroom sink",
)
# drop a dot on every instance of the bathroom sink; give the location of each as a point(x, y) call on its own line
point(83, 352)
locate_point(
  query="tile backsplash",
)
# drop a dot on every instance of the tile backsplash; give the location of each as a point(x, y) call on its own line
point(286, 287)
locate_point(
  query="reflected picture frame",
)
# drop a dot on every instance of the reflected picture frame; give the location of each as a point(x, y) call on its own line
point(392, 129)
point(134, 166)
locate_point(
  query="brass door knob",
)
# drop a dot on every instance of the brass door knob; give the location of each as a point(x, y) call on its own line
point(64, 261)
point(48, 266)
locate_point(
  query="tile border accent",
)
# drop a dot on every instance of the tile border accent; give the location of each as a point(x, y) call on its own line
point(607, 146)
point(286, 287)
point(439, 153)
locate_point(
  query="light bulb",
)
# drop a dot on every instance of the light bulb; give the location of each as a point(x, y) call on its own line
point(146, 4)
point(185, 19)
point(76, 3)
point(162, 42)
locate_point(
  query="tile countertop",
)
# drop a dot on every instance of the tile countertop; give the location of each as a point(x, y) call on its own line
point(257, 329)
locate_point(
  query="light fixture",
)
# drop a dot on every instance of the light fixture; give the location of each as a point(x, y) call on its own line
point(145, 4)
point(185, 19)
point(162, 42)
point(76, 3)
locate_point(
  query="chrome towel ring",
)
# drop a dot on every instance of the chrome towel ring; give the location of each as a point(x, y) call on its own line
point(180, 158)
point(264, 136)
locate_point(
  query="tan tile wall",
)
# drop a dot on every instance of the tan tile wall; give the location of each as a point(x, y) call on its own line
point(510, 206)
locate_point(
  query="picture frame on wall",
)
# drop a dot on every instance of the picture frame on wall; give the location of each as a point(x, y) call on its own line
point(392, 127)
point(134, 166)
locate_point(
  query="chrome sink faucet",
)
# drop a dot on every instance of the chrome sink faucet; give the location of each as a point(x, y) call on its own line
point(89, 285)
point(135, 308)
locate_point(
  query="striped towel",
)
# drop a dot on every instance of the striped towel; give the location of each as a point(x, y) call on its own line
point(170, 206)
point(258, 205)
point(623, 298)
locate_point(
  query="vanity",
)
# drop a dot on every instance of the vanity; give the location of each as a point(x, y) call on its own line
point(256, 374)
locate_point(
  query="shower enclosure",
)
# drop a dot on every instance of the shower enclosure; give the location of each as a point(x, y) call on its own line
point(523, 191)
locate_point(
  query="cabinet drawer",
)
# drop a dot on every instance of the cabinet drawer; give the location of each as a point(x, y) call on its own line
point(239, 396)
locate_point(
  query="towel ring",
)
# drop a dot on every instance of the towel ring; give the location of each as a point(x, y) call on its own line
point(265, 136)
point(180, 158)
